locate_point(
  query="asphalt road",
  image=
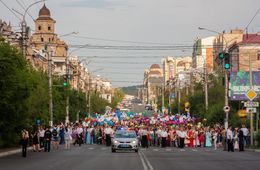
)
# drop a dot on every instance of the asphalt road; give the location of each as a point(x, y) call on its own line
point(95, 157)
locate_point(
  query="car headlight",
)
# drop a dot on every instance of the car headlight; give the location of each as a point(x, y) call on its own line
point(115, 141)
point(134, 142)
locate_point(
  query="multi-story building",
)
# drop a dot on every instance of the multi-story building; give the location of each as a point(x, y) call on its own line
point(173, 65)
point(245, 51)
point(6, 32)
point(224, 40)
point(103, 86)
point(153, 79)
point(203, 54)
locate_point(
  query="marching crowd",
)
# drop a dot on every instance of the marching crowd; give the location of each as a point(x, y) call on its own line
point(184, 135)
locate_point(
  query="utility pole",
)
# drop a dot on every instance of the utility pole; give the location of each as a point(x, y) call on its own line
point(50, 84)
point(89, 95)
point(179, 97)
point(24, 38)
point(67, 92)
point(163, 98)
point(251, 113)
point(206, 84)
point(226, 98)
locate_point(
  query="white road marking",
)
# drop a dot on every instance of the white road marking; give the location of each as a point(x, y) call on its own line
point(182, 150)
point(143, 162)
point(156, 150)
point(168, 150)
point(90, 148)
point(103, 148)
point(147, 161)
point(195, 150)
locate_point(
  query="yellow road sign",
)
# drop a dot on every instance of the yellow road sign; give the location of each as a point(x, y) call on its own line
point(251, 94)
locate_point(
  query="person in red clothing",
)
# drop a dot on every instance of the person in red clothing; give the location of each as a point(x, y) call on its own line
point(201, 138)
point(190, 137)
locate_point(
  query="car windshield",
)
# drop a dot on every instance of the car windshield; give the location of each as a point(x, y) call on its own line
point(125, 135)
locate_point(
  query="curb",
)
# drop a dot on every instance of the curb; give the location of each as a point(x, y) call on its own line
point(12, 152)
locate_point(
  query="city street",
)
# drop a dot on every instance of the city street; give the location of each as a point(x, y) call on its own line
point(96, 157)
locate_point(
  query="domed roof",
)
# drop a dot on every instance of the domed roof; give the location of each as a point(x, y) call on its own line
point(155, 66)
point(44, 12)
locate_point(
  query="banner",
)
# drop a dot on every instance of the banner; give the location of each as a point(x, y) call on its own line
point(240, 84)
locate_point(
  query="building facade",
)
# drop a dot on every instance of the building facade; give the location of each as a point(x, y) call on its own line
point(244, 52)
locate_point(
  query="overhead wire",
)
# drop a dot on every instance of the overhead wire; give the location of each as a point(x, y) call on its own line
point(24, 8)
point(10, 10)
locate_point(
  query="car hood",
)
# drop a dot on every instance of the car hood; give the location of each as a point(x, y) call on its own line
point(125, 139)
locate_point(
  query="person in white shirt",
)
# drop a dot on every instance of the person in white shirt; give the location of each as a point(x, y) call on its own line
point(245, 133)
point(158, 136)
point(182, 135)
point(230, 139)
point(144, 139)
point(41, 136)
point(108, 132)
point(164, 135)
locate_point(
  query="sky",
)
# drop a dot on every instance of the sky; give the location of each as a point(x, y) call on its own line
point(123, 37)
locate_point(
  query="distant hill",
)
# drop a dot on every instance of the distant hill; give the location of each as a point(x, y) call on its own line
point(131, 90)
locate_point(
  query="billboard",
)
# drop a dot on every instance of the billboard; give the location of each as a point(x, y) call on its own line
point(240, 84)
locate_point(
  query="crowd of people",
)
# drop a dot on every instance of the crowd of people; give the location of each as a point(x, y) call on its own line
point(183, 131)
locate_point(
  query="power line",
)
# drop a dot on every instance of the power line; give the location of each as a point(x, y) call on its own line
point(23, 7)
point(121, 41)
point(10, 10)
point(252, 19)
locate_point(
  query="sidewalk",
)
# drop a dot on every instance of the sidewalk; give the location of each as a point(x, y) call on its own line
point(11, 151)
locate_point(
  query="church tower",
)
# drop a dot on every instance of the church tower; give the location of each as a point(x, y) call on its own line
point(45, 35)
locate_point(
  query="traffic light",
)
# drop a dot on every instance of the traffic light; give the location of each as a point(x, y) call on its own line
point(65, 81)
point(226, 58)
point(227, 61)
point(221, 56)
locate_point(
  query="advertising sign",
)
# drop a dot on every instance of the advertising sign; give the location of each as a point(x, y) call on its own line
point(240, 84)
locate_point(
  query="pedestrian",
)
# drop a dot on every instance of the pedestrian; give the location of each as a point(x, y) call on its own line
point(215, 138)
point(164, 136)
point(230, 139)
point(236, 145)
point(108, 132)
point(182, 135)
point(241, 140)
point(35, 141)
point(61, 134)
point(246, 135)
point(41, 135)
point(47, 139)
point(67, 137)
point(24, 142)
point(208, 138)
point(55, 137)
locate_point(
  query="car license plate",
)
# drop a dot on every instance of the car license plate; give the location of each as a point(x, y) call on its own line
point(124, 146)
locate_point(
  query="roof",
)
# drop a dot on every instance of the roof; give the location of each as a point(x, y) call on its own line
point(44, 13)
point(154, 66)
point(251, 38)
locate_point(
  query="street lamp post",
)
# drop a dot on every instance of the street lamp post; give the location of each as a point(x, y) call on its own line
point(226, 77)
point(24, 25)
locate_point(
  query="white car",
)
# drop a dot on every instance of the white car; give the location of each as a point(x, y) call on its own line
point(125, 140)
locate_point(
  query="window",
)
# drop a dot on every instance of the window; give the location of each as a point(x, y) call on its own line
point(49, 39)
point(49, 28)
point(42, 39)
point(39, 28)
point(258, 56)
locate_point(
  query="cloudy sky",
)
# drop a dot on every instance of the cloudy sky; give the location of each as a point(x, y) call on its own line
point(107, 26)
